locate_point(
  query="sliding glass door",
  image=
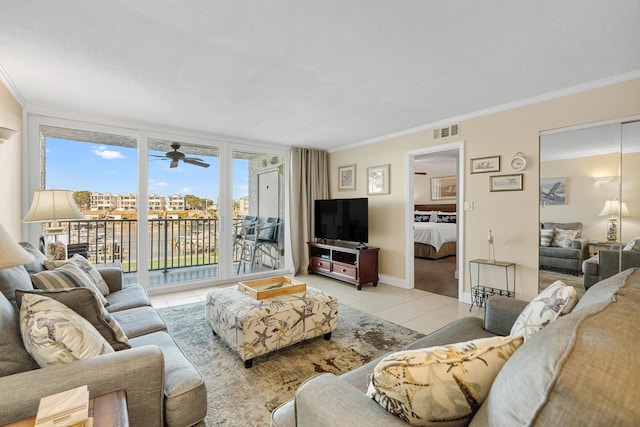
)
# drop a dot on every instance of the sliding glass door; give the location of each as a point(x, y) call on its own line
point(170, 209)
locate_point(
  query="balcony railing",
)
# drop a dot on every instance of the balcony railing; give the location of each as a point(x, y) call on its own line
point(173, 243)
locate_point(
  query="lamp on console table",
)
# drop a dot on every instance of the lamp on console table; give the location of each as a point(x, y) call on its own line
point(613, 209)
point(53, 206)
point(11, 253)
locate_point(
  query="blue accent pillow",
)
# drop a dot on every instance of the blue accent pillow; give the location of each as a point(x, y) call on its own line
point(422, 217)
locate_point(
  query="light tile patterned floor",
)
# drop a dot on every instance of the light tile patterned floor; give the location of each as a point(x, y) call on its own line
point(415, 309)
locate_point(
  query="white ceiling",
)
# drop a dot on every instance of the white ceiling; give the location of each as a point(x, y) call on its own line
point(309, 73)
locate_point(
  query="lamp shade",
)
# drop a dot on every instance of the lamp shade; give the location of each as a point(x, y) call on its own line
point(6, 133)
point(614, 208)
point(11, 253)
point(53, 205)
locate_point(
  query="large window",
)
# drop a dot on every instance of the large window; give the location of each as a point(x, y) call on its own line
point(193, 196)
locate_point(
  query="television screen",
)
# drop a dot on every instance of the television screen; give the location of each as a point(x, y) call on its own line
point(342, 219)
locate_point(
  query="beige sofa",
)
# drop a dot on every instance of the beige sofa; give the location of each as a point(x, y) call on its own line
point(580, 370)
point(163, 387)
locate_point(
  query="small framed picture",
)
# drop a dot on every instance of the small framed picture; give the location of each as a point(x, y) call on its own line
point(347, 178)
point(378, 179)
point(485, 164)
point(505, 182)
point(444, 188)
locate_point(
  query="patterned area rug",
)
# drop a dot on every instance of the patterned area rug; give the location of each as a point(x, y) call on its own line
point(246, 397)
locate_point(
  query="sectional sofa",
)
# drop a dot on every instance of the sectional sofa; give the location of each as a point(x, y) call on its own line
point(162, 385)
point(582, 369)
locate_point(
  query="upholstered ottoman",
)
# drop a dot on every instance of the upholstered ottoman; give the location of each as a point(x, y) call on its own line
point(254, 327)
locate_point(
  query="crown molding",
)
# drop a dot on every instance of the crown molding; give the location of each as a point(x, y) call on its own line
point(4, 78)
point(503, 107)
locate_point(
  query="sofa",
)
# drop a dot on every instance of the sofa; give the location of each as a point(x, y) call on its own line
point(559, 251)
point(607, 262)
point(581, 369)
point(162, 386)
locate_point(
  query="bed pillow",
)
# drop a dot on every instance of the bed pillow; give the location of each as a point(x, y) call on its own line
point(85, 266)
point(446, 217)
point(422, 217)
point(556, 300)
point(563, 238)
point(52, 333)
point(85, 302)
point(68, 275)
point(440, 385)
point(546, 236)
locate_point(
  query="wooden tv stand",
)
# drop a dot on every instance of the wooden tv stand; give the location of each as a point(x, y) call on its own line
point(342, 261)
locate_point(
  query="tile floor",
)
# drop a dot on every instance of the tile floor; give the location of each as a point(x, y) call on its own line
point(412, 308)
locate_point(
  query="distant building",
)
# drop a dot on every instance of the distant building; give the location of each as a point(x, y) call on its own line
point(103, 201)
point(128, 202)
point(176, 202)
point(157, 202)
point(243, 206)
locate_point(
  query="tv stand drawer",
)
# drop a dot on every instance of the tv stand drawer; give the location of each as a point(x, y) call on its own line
point(346, 270)
point(320, 264)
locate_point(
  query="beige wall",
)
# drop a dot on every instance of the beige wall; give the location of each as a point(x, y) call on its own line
point(11, 170)
point(586, 197)
point(513, 216)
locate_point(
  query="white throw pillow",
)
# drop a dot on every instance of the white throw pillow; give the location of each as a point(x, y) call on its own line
point(440, 385)
point(85, 266)
point(633, 245)
point(68, 275)
point(557, 299)
point(563, 238)
point(52, 333)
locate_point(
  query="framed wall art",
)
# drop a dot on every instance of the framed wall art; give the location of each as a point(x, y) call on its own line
point(378, 180)
point(553, 191)
point(347, 178)
point(485, 164)
point(444, 188)
point(506, 182)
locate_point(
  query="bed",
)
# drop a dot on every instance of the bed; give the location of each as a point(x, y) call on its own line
point(434, 240)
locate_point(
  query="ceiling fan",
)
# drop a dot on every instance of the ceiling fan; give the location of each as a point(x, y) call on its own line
point(175, 156)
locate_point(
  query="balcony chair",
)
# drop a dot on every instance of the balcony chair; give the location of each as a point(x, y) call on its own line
point(242, 229)
point(263, 243)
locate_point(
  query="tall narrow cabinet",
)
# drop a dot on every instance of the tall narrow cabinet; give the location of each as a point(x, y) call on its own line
point(344, 261)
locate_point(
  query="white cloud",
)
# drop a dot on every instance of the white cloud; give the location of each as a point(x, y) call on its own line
point(185, 190)
point(108, 154)
point(156, 183)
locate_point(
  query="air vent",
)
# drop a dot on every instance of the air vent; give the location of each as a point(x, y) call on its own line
point(447, 131)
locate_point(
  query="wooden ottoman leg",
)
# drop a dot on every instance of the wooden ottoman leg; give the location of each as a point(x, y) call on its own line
point(248, 363)
point(327, 336)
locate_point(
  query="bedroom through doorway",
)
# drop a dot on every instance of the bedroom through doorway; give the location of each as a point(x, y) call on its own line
point(435, 226)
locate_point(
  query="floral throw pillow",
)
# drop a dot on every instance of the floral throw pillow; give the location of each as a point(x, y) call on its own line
point(437, 385)
point(53, 333)
point(557, 299)
point(563, 238)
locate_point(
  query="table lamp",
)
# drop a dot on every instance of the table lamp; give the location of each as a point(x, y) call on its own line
point(613, 209)
point(53, 206)
point(11, 253)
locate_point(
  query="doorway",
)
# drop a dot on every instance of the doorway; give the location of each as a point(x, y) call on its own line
point(434, 221)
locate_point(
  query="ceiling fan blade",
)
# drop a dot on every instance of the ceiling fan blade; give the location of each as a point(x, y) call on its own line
point(196, 162)
point(193, 158)
point(155, 155)
point(174, 164)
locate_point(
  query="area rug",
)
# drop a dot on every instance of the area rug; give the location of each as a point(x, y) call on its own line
point(246, 397)
point(546, 277)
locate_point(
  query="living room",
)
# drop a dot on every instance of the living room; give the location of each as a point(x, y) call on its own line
point(498, 129)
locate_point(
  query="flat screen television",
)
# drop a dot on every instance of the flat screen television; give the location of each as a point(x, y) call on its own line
point(342, 219)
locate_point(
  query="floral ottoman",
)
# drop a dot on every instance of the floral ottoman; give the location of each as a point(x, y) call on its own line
point(254, 327)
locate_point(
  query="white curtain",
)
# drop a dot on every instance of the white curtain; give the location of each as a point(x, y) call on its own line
point(309, 181)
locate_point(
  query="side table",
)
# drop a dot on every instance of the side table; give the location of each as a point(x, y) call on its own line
point(108, 410)
point(480, 292)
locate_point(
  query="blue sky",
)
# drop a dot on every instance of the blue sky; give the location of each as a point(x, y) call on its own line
point(76, 166)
